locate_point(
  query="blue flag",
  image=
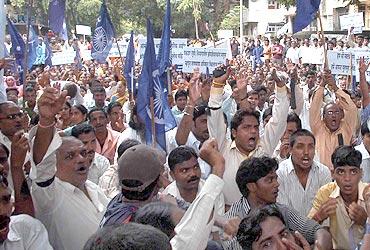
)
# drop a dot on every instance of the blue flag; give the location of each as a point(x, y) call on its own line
point(164, 53)
point(48, 52)
point(150, 87)
point(18, 45)
point(56, 14)
point(306, 13)
point(103, 36)
point(129, 61)
point(33, 42)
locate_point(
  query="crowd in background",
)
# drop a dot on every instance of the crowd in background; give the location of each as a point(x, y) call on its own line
point(270, 151)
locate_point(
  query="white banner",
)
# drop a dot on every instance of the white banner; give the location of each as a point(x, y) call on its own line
point(65, 57)
point(339, 62)
point(203, 58)
point(351, 20)
point(225, 34)
point(122, 48)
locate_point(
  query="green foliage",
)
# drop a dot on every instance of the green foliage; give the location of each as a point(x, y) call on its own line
point(232, 19)
point(287, 3)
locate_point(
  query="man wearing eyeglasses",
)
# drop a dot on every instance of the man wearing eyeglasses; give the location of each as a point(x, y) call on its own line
point(338, 123)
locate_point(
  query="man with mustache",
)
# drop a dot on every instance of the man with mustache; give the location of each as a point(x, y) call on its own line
point(338, 123)
point(98, 163)
point(69, 205)
point(185, 170)
point(107, 138)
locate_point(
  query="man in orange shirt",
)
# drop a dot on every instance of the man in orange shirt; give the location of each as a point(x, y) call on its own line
point(338, 123)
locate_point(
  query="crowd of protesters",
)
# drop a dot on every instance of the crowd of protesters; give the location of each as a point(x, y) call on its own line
point(271, 151)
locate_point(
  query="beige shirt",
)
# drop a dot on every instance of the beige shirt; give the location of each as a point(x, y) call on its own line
point(340, 224)
point(274, 129)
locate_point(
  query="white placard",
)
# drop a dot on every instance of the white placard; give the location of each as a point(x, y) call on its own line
point(83, 30)
point(351, 20)
point(340, 61)
point(203, 58)
point(358, 55)
point(66, 57)
point(225, 34)
point(177, 49)
point(122, 48)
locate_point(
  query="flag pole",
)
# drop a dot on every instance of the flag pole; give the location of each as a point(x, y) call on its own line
point(131, 95)
point(350, 71)
point(154, 142)
point(323, 40)
point(25, 64)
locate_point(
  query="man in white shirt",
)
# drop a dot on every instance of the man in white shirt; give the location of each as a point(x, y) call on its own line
point(185, 170)
point(293, 55)
point(246, 141)
point(364, 148)
point(300, 177)
point(69, 205)
point(98, 163)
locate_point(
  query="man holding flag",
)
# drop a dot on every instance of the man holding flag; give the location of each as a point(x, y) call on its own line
point(129, 66)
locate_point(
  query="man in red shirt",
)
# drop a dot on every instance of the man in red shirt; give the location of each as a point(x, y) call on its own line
point(277, 52)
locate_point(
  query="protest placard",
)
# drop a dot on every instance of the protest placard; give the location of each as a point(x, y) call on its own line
point(340, 61)
point(358, 55)
point(203, 58)
point(83, 30)
point(177, 49)
point(65, 57)
point(114, 50)
point(355, 20)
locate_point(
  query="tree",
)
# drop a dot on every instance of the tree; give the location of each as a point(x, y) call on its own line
point(287, 3)
point(232, 19)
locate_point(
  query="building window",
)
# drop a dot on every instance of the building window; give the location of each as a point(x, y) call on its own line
point(273, 4)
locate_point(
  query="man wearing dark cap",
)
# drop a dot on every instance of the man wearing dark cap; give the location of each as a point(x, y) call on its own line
point(139, 169)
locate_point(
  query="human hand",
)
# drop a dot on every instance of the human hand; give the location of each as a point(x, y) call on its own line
point(284, 149)
point(195, 89)
point(19, 149)
point(363, 66)
point(6, 63)
point(224, 77)
point(357, 213)
point(300, 242)
point(326, 209)
point(50, 103)
point(209, 152)
point(366, 195)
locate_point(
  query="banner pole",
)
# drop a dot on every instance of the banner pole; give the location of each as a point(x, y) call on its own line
point(323, 40)
point(154, 142)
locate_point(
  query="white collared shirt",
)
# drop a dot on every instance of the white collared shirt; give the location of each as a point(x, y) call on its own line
point(26, 232)
point(109, 182)
point(68, 214)
point(365, 164)
point(193, 230)
point(99, 165)
point(291, 191)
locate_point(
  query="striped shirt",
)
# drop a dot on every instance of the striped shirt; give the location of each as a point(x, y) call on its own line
point(292, 218)
point(291, 191)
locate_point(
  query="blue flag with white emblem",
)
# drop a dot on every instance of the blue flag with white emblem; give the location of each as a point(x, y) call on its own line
point(164, 53)
point(306, 12)
point(33, 42)
point(103, 36)
point(18, 45)
point(150, 87)
point(48, 52)
point(129, 62)
point(56, 13)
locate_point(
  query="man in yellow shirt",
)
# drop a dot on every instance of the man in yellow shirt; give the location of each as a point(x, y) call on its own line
point(340, 205)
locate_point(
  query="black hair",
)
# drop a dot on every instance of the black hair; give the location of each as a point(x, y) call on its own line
point(68, 104)
point(34, 120)
point(298, 133)
point(253, 169)
point(113, 105)
point(158, 215)
point(239, 116)
point(232, 83)
point(136, 195)
point(179, 155)
point(81, 108)
point(99, 90)
point(5, 149)
point(346, 156)
point(82, 128)
point(135, 125)
point(250, 227)
point(126, 144)
point(252, 92)
point(199, 110)
point(267, 113)
point(128, 236)
point(364, 129)
point(260, 88)
point(181, 93)
point(310, 73)
point(95, 109)
point(293, 117)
